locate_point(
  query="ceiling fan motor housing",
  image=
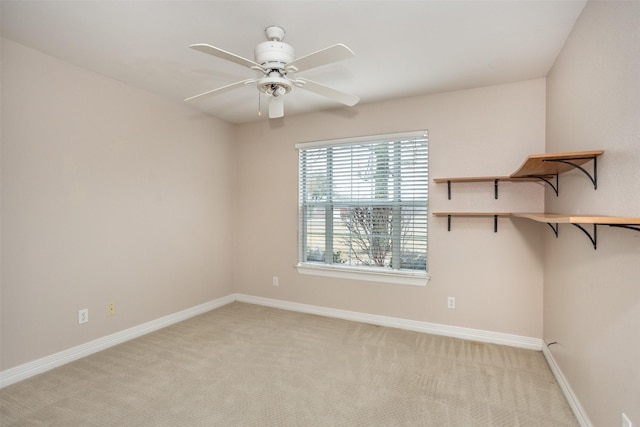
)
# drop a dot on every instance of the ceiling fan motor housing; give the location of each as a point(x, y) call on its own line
point(274, 55)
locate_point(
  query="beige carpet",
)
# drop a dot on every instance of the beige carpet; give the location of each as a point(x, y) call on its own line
point(247, 365)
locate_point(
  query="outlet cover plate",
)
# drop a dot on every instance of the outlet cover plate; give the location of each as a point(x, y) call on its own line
point(83, 316)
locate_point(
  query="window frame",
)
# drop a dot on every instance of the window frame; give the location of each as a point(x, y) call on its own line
point(365, 273)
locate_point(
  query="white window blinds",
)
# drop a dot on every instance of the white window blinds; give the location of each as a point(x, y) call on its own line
point(363, 202)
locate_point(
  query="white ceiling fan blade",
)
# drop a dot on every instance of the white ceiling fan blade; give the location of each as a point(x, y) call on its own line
point(331, 54)
point(336, 95)
point(223, 54)
point(223, 89)
point(276, 107)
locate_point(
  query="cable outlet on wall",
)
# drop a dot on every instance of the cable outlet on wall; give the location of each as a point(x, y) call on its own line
point(275, 281)
point(626, 422)
point(451, 302)
point(83, 316)
point(111, 309)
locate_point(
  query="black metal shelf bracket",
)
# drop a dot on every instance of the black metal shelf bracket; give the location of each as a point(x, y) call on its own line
point(495, 223)
point(627, 226)
point(554, 228)
point(593, 178)
point(556, 187)
point(593, 237)
point(495, 189)
point(544, 178)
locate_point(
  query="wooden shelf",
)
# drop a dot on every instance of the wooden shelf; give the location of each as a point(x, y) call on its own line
point(472, 214)
point(553, 164)
point(553, 219)
point(494, 179)
point(578, 219)
point(544, 167)
point(539, 167)
point(481, 179)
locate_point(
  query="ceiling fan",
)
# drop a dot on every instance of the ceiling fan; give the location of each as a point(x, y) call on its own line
point(277, 62)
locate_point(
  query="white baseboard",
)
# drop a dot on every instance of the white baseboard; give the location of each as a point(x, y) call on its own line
point(572, 399)
point(24, 371)
point(412, 325)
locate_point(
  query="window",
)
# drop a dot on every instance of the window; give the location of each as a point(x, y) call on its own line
point(363, 207)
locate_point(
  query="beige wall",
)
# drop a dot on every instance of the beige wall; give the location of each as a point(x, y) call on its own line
point(496, 278)
point(109, 194)
point(592, 298)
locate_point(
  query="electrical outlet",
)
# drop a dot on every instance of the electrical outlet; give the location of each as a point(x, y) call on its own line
point(451, 302)
point(111, 309)
point(83, 316)
point(275, 281)
point(626, 422)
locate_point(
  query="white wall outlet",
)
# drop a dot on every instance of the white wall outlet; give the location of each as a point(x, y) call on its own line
point(626, 422)
point(111, 309)
point(451, 302)
point(275, 281)
point(83, 316)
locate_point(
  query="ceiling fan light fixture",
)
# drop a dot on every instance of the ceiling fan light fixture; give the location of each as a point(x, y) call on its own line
point(274, 86)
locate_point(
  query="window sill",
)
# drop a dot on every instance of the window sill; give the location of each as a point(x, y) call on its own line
point(355, 273)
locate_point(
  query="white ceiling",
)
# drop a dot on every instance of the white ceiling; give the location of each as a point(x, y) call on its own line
point(403, 48)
